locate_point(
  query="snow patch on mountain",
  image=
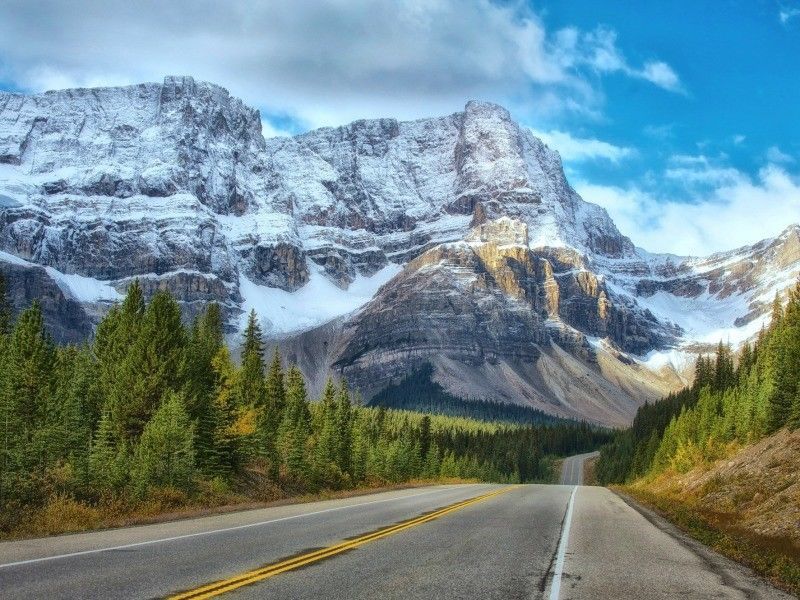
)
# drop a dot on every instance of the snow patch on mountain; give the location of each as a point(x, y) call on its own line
point(319, 301)
point(84, 289)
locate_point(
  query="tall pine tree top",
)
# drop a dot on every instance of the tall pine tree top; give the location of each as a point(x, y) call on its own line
point(253, 339)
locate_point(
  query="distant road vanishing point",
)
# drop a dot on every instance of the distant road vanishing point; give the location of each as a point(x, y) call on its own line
point(447, 541)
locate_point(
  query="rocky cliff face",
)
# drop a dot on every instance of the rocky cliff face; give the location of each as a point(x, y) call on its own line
point(369, 249)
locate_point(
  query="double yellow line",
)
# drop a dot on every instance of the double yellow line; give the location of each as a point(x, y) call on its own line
point(227, 585)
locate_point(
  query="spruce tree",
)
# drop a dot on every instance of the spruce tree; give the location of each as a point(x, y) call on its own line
point(114, 339)
point(251, 382)
point(272, 413)
point(425, 436)
point(344, 428)
point(31, 364)
point(205, 340)
point(108, 459)
point(326, 443)
point(295, 427)
point(164, 456)
point(6, 314)
point(152, 366)
point(252, 386)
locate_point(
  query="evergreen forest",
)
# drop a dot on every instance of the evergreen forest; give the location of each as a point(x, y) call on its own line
point(733, 401)
point(153, 410)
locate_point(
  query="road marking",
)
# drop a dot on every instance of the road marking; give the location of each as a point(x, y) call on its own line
point(212, 532)
point(555, 586)
point(228, 585)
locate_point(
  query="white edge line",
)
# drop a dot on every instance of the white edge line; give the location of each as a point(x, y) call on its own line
point(212, 532)
point(555, 586)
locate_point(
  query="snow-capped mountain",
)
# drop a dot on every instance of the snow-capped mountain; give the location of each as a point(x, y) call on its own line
point(370, 249)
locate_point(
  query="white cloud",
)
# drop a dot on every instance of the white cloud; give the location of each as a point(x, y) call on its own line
point(787, 14)
point(738, 139)
point(579, 149)
point(662, 75)
point(323, 62)
point(270, 131)
point(598, 49)
point(738, 212)
point(776, 155)
point(699, 171)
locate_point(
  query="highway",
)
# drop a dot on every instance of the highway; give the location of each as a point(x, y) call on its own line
point(572, 468)
point(454, 541)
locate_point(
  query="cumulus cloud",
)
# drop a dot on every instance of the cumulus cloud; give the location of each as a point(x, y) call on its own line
point(325, 62)
point(740, 211)
point(580, 149)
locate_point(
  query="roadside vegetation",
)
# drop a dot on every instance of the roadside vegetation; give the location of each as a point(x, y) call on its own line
point(678, 454)
point(153, 416)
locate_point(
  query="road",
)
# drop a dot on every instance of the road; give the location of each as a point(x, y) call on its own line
point(458, 541)
point(572, 468)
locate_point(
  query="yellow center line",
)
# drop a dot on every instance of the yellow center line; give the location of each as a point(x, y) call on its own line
point(227, 585)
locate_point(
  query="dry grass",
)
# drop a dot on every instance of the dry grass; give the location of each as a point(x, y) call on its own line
point(746, 505)
point(590, 471)
point(63, 514)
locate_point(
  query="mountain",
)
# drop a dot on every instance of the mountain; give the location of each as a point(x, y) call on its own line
point(372, 249)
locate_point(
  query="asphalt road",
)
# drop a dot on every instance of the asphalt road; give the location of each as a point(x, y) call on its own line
point(572, 468)
point(512, 544)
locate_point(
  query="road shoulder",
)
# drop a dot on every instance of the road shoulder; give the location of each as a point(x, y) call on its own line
point(618, 551)
point(734, 574)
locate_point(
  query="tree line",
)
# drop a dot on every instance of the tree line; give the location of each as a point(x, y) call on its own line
point(151, 404)
point(730, 402)
point(418, 391)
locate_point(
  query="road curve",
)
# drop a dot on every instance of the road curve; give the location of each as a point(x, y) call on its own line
point(504, 545)
point(572, 468)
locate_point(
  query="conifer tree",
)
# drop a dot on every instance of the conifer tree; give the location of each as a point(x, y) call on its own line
point(114, 338)
point(31, 362)
point(425, 436)
point(723, 372)
point(108, 458)
point(5, 307)
point(164, 456)
point(252, 385)
point(344, 428)
point(152, 366)
point(272, 413)
point(215, 445)
point(296, 426)
point(326, 443)
point(205, 340)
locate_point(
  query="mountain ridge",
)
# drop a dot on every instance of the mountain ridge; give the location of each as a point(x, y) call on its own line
point(345, 233)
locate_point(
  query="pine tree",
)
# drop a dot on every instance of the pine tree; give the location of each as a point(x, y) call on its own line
point(295, 427)
point(152, 366)
point(205, 340)
point(272, 413)
point(108, 459)
point(31, 363)
point(164, 456)
point(425, 436)
point(5, 307)
point(723, 372)
point(326, 447)
point(344, 428)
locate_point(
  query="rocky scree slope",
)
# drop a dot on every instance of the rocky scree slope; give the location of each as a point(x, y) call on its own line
point(369, 249)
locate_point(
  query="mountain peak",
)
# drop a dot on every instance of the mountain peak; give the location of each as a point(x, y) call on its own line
point(485, 107)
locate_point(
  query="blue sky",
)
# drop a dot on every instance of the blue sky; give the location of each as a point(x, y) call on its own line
point(681, 118)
